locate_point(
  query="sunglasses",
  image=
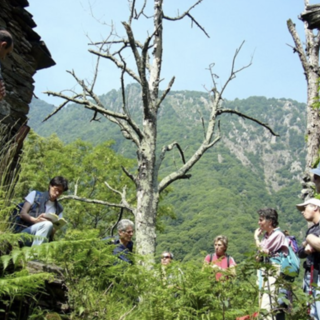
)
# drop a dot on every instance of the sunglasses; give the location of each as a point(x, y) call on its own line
point(165, 257)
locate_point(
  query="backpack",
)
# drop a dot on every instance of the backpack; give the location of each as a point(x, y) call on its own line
point(293, 243)
point(17, 224)
point(228, 259)
point(290, 264)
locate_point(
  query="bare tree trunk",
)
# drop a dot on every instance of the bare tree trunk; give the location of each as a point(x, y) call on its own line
point(148, 63)
point(147, 191)
point(309, 57)
point(313, 122)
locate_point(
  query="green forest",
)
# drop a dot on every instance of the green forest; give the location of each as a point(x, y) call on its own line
point(222, 197)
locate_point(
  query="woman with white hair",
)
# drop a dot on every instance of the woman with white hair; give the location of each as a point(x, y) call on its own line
point(124, 244)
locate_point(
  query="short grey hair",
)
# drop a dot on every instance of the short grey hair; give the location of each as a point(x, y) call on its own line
point(170, 254)
point(124, 224)
point(223, 239)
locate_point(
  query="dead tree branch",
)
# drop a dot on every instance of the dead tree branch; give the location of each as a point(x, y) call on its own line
point(129, 175)
point(298, 46)
point(234, 71)
point(117, 63)
point(165, 93)
point(187, 14)
point(167, 148)
point(125, 122)
point(181, 173)
point(122, 194)
point(119, 218)
point(209, 140)
point(240, 114)
point(126, 130)
point(60, 106)
point(85, 103)
point(95, 201)
point(134, 14)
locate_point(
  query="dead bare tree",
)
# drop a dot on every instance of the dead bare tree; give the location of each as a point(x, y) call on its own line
point(308, 52)
point(148, 62)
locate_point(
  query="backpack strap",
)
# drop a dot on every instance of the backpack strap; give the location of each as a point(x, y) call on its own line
point(228, 259)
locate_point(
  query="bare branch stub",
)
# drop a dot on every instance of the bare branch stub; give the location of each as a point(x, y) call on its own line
point(165, 93)
point(94, 118)
point(202, 122)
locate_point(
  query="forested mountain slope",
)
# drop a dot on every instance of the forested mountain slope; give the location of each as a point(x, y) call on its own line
point(247, 170)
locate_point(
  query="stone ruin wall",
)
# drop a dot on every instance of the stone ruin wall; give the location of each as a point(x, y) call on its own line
point(29, 55)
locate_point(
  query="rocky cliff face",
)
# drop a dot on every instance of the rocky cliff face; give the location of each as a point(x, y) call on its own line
point(181, 118)
point(278, 159)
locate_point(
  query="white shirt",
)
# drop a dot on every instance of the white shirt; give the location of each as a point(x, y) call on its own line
point(50, 206)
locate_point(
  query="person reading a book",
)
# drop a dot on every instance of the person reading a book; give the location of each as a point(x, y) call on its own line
point(124, 244)
point(35, 213)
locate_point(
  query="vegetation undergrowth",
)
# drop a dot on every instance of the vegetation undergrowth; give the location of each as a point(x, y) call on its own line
point(100, 286)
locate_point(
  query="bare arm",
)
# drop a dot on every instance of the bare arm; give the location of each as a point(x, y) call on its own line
point(257, 234)
point(314, 242)
point(25, 216)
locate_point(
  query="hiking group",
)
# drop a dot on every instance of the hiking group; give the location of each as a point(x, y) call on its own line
point(274, 247)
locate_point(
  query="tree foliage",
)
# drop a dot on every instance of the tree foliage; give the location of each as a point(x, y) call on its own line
point(98, 285)
point(87, 167)
point(97, 288)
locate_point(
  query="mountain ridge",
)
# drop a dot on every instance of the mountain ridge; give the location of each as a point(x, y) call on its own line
point(183, 112)
point(248, 169)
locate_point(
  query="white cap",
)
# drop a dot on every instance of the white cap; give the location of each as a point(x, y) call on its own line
point(316, 170)
point(314, 201)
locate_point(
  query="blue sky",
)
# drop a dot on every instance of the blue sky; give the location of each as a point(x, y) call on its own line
point(67, 25)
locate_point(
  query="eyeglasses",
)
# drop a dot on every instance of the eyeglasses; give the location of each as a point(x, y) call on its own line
point(128, 232)
point(165, 257)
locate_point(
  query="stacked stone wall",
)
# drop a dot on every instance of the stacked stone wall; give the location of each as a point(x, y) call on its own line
point(29, 55)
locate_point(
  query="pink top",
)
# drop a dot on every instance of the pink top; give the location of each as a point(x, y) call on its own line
point(221, 262)
point(274, 242)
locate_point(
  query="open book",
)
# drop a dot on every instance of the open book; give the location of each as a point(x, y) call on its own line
point(57, 222)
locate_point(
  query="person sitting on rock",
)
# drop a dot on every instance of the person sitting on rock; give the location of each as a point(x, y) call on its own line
point(37, 204)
